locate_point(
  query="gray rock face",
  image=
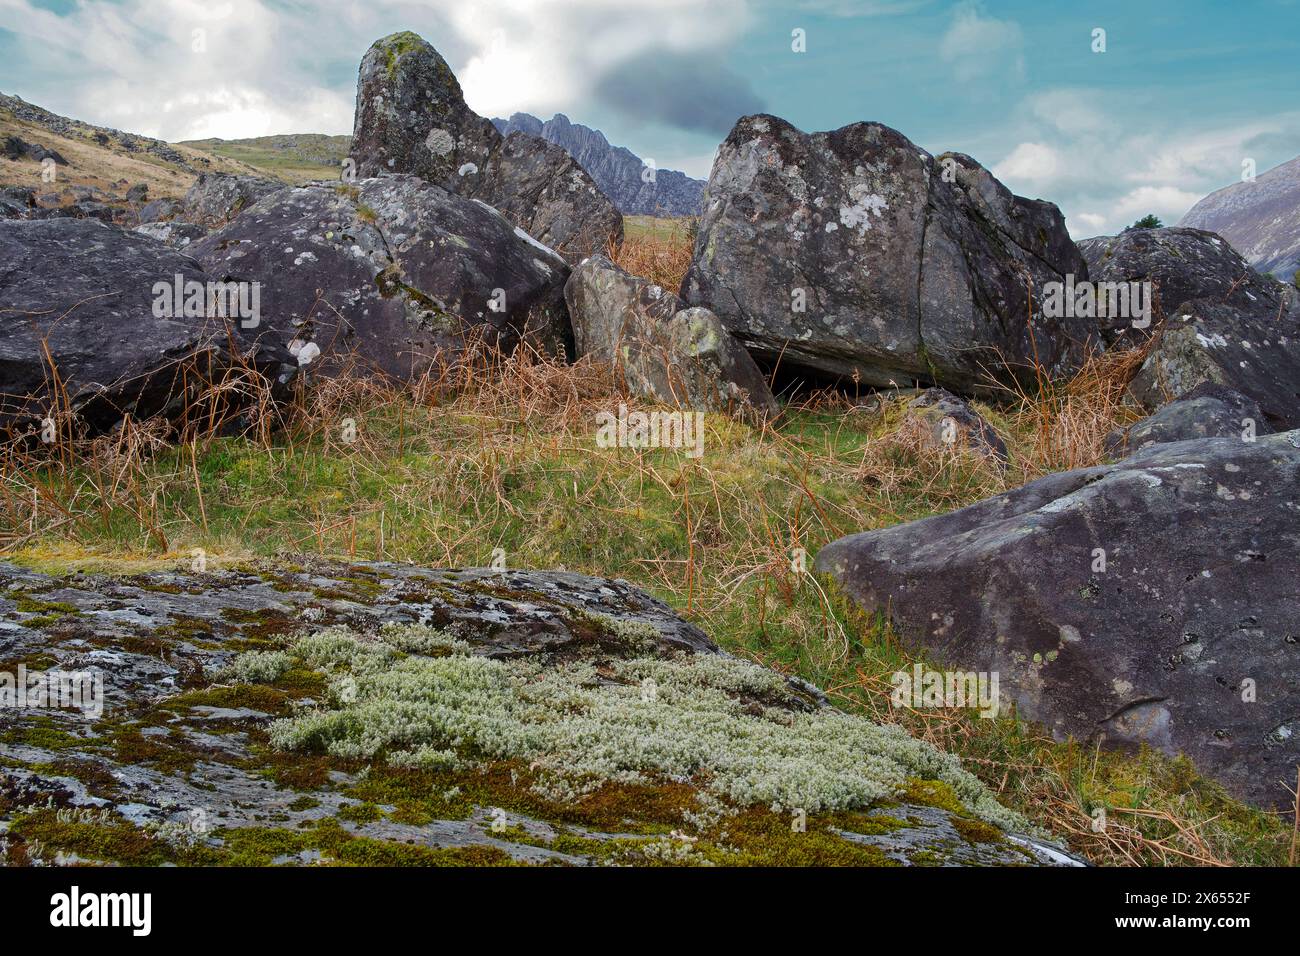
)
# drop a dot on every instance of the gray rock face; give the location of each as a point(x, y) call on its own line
point(666, 353)
point(1186, 641)
point(1181, 265)
point(1254, 352)
point(188, 772)
point(1260, 218)
point(634, 186)
point(1209, 410)
point(412, 118)
point(908, 268)
point(394, 270)
point(540, 188)
point(217, 198)
point(161, 210)
point(178, 235)
point(14, 148)
point(948, 421)
point(87, 291)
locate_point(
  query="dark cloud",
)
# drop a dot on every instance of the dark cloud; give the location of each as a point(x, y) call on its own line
point(687, 91)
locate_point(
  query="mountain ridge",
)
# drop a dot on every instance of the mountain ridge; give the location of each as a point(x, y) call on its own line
point(1260, 217)
point(619, 172)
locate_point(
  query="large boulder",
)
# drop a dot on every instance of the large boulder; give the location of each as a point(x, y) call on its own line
point(1254, 351)
point(1180, 264)
point(305, 712)
point(86, 292)
point(1210, 410)
point(395, 271)
point(857, 254)
point(1148, 602)
point(666, 352)
point(411, 117)
point(217, 198)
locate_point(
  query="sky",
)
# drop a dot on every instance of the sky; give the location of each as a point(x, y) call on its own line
point(1185, 95)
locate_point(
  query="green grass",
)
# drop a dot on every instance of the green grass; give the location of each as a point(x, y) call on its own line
point(292, 158)
point(655, 227)
point(446, 484)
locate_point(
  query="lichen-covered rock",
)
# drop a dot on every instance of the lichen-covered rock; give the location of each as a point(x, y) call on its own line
point(175, 234)
point(395, 271)
point(1148, 602)
point(412, 118)
point(857, 254)
point(665, 352)
point(541, 188)
point(377, 713)
point(1254, 352)
point(1209, 410)
point(217, 198)
point(1181, 264)
point(948, 421)
point(87, 292)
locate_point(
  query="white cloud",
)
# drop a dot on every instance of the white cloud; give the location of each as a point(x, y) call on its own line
point(1107, 161)
point(1033, 162)
point(266, 67)
point(978, 46)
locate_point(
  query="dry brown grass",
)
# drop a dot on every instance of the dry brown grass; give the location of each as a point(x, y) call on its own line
point(660, 255)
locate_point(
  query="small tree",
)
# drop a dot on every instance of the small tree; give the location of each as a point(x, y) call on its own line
point(1148, 221)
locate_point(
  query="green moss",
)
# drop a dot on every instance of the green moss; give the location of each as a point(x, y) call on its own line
point(975, 832)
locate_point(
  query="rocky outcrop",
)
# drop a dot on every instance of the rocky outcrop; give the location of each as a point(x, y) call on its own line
point(217, 198)
point(636, 186)
point(1260, 217)
point(87, 292)
point(1209, 410)
point(1147, 602)
point(412, 118)
point(1180, 265)
point(1256, 352)
point(305, 712)
point(15, 148)
point(856, 254)
point(539, 187)
point(394, 272)
point(175, 234)
point(947, 421)
point(665, 352)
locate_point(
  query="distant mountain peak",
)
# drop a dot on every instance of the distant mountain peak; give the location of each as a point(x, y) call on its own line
point(1260, 217)
point(616, 169)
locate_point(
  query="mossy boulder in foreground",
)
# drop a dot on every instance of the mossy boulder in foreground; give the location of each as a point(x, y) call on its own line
point(387, 714)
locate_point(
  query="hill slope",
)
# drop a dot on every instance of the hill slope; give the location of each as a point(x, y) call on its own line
point(1261, 218)
point(293, 157)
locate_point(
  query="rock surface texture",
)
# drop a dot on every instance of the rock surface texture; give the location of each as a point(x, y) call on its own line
point(217, 198)
point(86, 291)
point(394, 271)
point(1207, 411)
point(666, 352)
point(856, 254)
point(411, 118)
point(1147, 602)
point(225, 730)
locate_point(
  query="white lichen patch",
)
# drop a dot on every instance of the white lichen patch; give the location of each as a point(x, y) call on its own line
point(864, 205)
point(416, 696)
point(440, 142)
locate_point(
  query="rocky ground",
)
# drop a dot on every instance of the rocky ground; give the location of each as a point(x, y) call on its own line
point(916, 463)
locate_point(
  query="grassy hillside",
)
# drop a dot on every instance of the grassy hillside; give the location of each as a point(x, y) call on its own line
point(101, 158)
point(294, 158)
